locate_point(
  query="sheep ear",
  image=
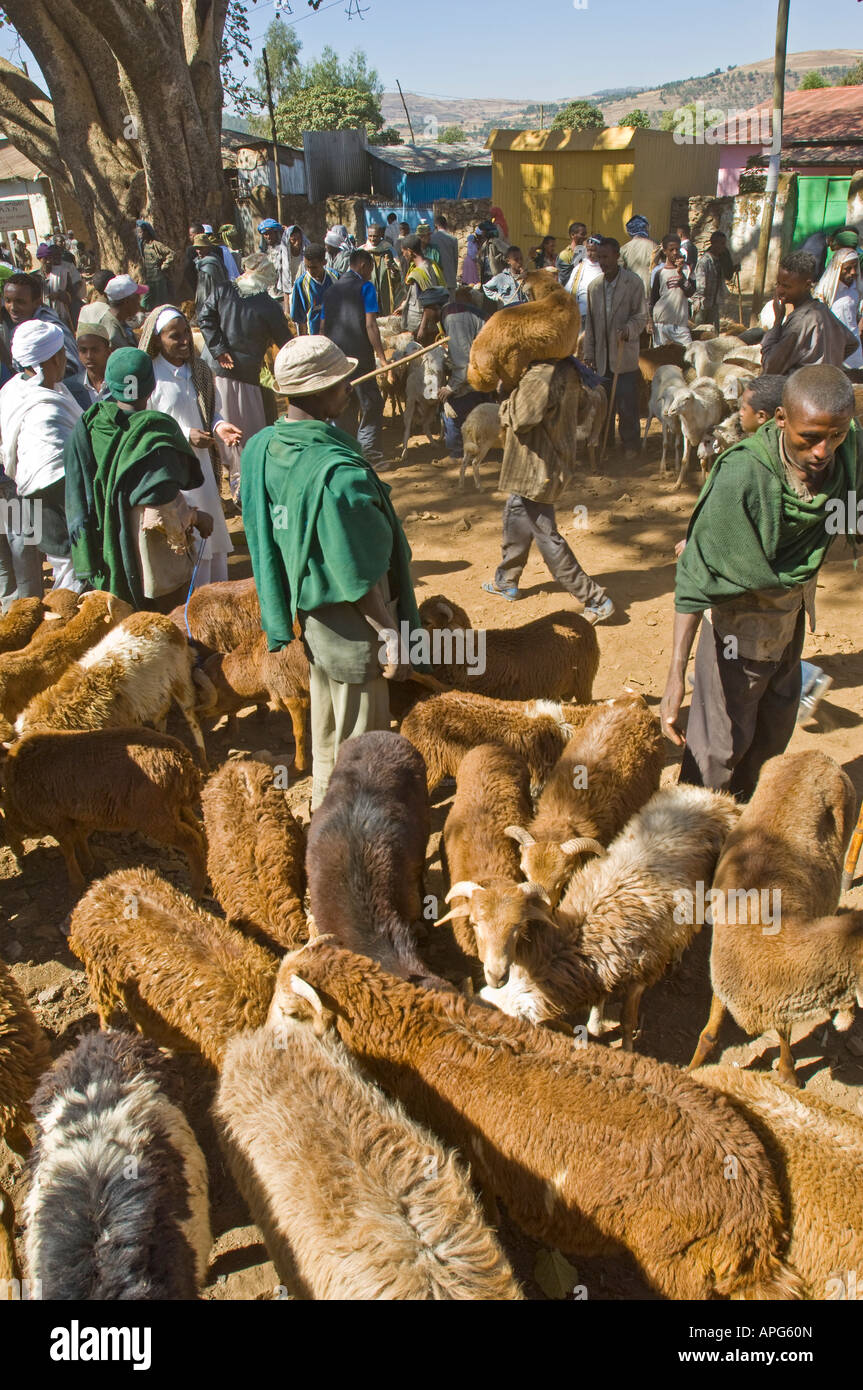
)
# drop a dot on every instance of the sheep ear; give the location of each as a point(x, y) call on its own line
point(535, 890)
point(582, 845)
point(464, 889)
point(517, 832)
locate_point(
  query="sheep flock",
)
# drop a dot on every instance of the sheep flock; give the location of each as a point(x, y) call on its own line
point(404, 1088)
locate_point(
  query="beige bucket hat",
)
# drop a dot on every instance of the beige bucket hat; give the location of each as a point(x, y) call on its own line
point(310, 364)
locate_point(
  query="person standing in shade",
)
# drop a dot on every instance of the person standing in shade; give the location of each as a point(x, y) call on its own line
point(157, 260)
point(709, 294)
point(446, 246)
point(327, 551)
point(670, 289)
point(307, 300)
point(423, 285)
point(350, 320)
point(687, 245)
point(94, 349)
point(639, 253)
point(386, 275)
point(573, 254)
point(508, 287)
point(392, 231)
point(185, 390)
point(616, 315)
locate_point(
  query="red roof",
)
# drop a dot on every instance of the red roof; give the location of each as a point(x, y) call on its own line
point(828, 114)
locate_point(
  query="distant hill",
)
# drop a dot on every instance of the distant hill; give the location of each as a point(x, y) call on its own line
point(741, 87)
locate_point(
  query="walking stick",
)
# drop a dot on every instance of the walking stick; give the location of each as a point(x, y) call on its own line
point(609, 417)
point(399, 362)
point(739, 298)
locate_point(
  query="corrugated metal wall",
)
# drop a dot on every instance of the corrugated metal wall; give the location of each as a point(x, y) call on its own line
point(423, 189)
point(336, 163)
point(542, 189)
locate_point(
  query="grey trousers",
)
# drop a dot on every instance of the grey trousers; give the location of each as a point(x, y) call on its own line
point(339, 711)
point(743, 712)
point(366, 407)
point(524, 522)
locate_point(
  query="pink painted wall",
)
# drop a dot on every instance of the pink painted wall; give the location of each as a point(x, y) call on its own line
point(732, 162)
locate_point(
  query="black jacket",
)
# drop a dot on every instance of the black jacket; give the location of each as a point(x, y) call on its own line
point(244, 326)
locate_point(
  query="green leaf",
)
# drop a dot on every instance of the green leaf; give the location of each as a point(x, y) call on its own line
point(555, 1275)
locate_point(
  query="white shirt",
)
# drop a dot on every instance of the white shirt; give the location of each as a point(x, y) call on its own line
point(35, 422)
point(175, 396)
point(846, 307)
point(583, 273)
point(391, 234)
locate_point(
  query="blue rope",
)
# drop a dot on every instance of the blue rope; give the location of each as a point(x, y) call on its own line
point(192, 585)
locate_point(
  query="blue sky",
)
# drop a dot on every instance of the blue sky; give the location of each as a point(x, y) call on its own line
point(550, 49)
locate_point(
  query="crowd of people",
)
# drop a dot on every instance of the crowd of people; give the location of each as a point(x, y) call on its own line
point(118, 430)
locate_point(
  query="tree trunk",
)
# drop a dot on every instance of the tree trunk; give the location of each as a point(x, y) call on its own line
point(136, 121)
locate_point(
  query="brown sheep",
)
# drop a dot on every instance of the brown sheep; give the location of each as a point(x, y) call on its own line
point(816, 1151)
point(545, 329)
point(19, 622)
point(554, 657)
point(185, 978)
point(256, 851)
point(446, 727)
point(355, 1200)
point(606, 773)
point(24, 1056)
point(221, 616)
point(252, 675)
point(69, 784)
point(779, 956)
point(24, 674)
point(594, 1151)
point(8, 1262)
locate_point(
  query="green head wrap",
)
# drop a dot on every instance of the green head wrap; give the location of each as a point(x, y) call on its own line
point(846, 239)
point(129, 375)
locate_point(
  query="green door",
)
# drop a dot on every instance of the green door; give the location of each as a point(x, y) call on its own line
point(822, 204)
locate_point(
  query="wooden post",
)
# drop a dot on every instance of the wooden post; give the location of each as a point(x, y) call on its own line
point(407, 112)
point(273, 135)
point(769, 207)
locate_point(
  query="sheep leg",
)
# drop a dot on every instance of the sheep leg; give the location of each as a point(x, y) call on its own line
point(709, 1033)
point(184, 695)
point(298, 710)
point(684, 466)
point(629, 1016)
point(785, 1070)
point(191, 842)
point(464, 462)
point(663, 466)
point(76, 878)
point(596, 1019)
point(409, 419)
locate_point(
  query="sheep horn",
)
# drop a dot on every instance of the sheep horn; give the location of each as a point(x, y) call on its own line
point(456, 912)
point(464, 889)
point(582, 845)
point(517, 832)
point(305, 991)
point(535, 890)
point(445, 611)
point(209, 698)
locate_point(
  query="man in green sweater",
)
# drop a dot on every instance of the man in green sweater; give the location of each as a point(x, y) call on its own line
point(328, 551)
point(757, 538)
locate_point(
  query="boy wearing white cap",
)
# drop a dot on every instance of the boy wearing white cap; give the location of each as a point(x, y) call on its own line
point(327, 550)
point(37, 415)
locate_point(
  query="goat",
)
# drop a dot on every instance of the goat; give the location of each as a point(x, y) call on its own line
point(545, 329)
point(24, 674)
point(480, 432)
point(554, 657)
point(117, 1206)
point(355, 1200)
point(699, 408)
point(666, 382)
point(621, 920)
point(592, 1151)
point(606, 773)
point(781, 960)
point(129, 678)
point(184, 977)
point(69, 784)
point(256, 851)
point(24, 1055)
point(366, 851)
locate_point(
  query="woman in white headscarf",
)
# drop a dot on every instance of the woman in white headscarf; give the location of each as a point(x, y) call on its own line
point(37, 415)
point(841, 289)
point(185, 391)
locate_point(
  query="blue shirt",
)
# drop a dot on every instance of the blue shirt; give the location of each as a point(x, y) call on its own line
point(307, 299)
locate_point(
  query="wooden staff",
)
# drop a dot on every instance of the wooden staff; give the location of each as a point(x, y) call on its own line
point(609, 417)
point(739, 298)
point(399, 362)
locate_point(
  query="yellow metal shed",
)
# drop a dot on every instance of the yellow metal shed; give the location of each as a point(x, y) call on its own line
point(544, 179)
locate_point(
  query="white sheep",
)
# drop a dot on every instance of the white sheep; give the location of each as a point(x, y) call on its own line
point(666, 382)
point(699, 408)
point(425, 377)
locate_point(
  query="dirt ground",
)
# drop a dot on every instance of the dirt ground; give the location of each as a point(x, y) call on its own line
point(626, 541)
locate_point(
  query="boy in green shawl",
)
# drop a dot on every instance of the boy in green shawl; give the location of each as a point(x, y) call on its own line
point(328, 552)
point(757, 538)
point(125, 468)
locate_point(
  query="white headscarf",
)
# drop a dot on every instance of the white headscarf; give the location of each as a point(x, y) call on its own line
point(165, 318)
point(828, 286)
point(34, 341)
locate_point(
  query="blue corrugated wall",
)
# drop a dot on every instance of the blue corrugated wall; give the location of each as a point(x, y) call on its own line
point(423, 189)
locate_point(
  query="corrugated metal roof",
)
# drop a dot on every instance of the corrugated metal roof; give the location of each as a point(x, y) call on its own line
point(15, 165)
point(421, 159)
point(802, 156)
point(830, 114)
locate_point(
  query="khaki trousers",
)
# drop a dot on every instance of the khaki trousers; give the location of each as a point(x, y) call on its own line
point(339, 711)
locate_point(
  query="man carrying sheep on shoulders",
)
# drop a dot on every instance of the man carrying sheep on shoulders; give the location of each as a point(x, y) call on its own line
point(328, 551)
point(759, 534)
